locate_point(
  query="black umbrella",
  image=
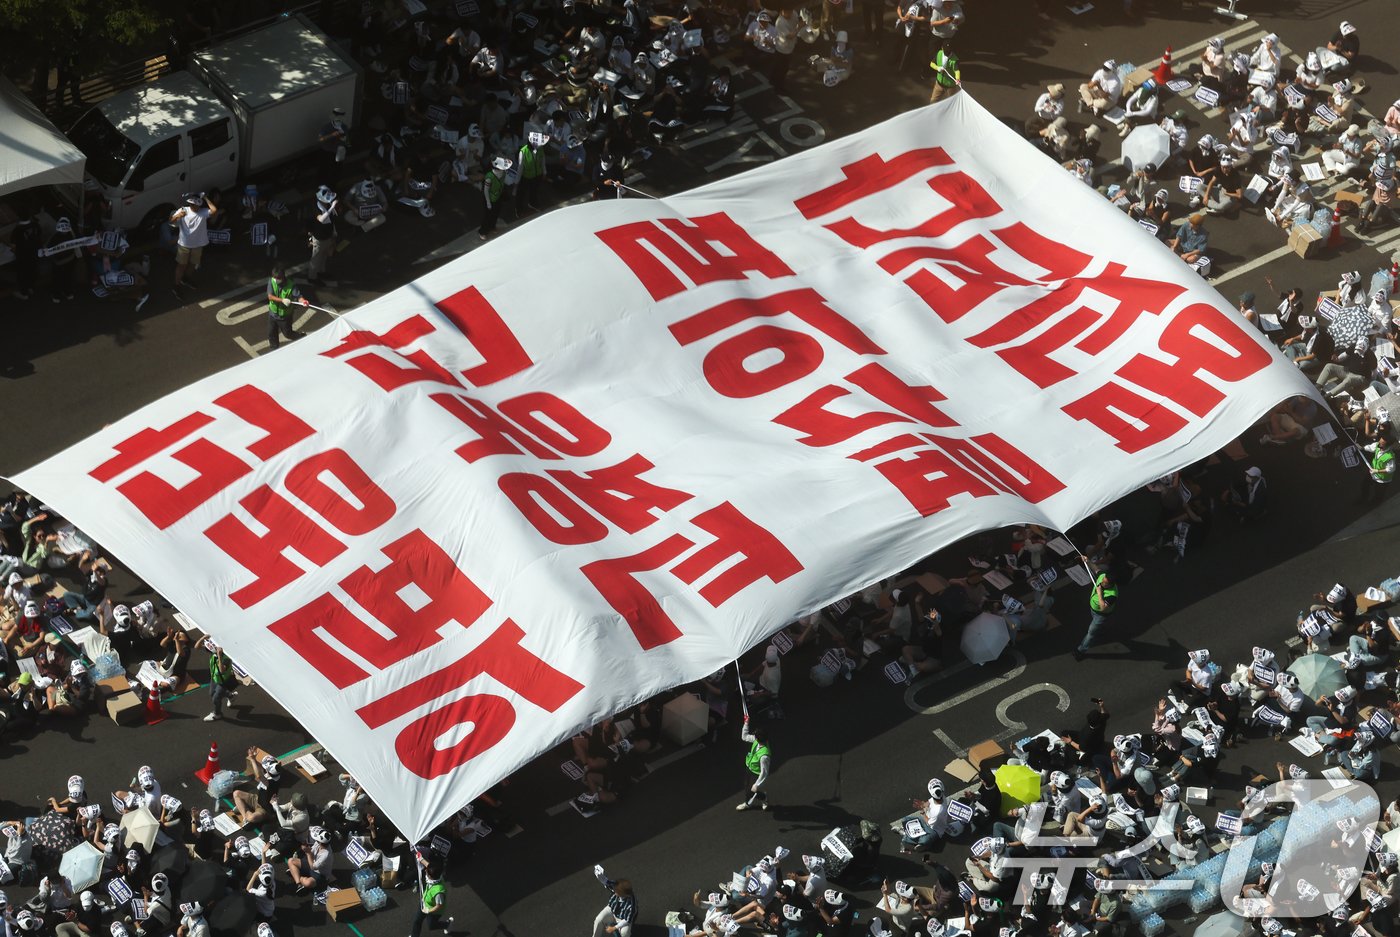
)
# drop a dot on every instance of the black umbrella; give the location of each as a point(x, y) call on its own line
point(233, 916)
point(205, 882)
point(53, 835)
point(171, 859)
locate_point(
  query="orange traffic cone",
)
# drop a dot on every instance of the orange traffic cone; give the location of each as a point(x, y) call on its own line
point(1163, 72)
point(211, 764)
point(1334, 239)
point(155, 713)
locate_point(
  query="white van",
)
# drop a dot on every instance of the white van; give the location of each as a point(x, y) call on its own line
point(147, 146)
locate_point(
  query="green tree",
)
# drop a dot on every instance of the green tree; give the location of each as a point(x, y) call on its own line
point(76, 37)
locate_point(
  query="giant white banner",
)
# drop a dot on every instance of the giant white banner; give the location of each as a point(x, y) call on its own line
point(607, 453)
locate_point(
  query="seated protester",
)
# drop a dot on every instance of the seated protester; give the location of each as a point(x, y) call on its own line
point(1091, 819)
point(262, 885)
point(1225, 711)
point(1282, 429)
point(1340, 600)
point(1175, 126)
point(1247, 497)
point(1191, 239)
point(1200, 675)
point(310, 868)
point(73, 694)
point(135, 866)
point(836, 914)
point(1157, 210)
point(205, 839)
point(922, 654)
point(1243, 136)
point(1307, 78)
point(293, 817)
point(77, 797)
point(898, 902)
point(1361, 761)
point(160, 905)
point(1234, 89)
point(929, 825)
point(987, 867)
point(1341, 716)
point(1057, 140)
point(1141, 107)
point(1262, 100)
point(812, 882)
point(764, 684)
point(256, 806)
point(192, 922)
point(1048, 106)
point(1224, 193)
point(1372, 642)
point(23, 636)
point(1102, 91)
point(1198, 763)
point(1213, 64)
point(1341, 102)
point(1202, 161)
point(1345, 42)
point(17, 850)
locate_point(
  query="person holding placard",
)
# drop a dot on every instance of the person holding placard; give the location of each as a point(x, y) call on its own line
point(1102, 91)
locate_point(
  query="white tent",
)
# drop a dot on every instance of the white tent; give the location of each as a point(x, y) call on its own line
point(32, 151)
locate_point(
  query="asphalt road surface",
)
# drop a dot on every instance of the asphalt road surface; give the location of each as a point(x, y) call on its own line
point(860, 749)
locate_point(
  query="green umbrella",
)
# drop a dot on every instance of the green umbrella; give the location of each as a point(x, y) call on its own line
point(1318, 675)
point(1019, 785)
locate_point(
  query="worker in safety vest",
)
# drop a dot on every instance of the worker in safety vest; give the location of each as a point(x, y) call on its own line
point(493, 191)
point(1380, 463)
point(1103, 599)
point(532, 169)
point(947, 75)
point(759, 762)
point(282, 292)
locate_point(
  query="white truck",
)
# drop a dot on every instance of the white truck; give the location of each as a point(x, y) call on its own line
point(246, 105)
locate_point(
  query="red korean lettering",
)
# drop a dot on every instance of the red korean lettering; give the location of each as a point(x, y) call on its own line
point(725, 365)
point(650, 249)
point(380, 355)
point(371, 508)
point(503, 658)
point(1133, 421)
point(869, 176)
point(483, 326)
point(163, 503)
point(616, 581)
point(556, 423)
point(915, 401)
point(550, 509)
point(496, 435)
point(978, 277)
point(967, 201)
point(1003, 465)
point(288, 528)
point(805, 304)
point(823, 426)
point(146, 443)
point(256, 407)
point(928, 478)
point(414, 559)
point(760, 555)
point(1180, 380)
point(620, 495)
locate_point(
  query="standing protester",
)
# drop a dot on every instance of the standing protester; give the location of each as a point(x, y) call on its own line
point(913, 33)
point(1102, 602)
point(621, 909)
point(220, 682)
point(434, 899)
point(334, 141)
point(493, 190)
point(193, 223)
point(27, 237)
point(1380, 467)
point(947, 75)
point(320, 231)
point(759, 762)
point(532, 171)
point(64, 265)
point(872, 12)
point(281, 293)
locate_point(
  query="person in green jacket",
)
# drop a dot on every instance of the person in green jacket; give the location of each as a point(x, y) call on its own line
point(1380, 467)
point(433, 900)
point(947, 75)
point(493, 192)
point(282, 292)
point(532, 172)
point(221, 685)
point(759, 762)
point(1103, 600)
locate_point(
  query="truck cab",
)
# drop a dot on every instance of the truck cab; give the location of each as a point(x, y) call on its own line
point(147, 146)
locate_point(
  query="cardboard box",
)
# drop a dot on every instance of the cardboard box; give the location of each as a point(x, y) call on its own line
point(113, 686)
point(685, 719)
point(126, 709)
point(989, 751)
point(1304, 240)
point(344, 905)
point(1349, 202)
point(961, 769)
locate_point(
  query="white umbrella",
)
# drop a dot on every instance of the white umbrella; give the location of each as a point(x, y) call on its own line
point(985, 637)
point(1146, 144)
point(141, 826)
point(82, 866)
